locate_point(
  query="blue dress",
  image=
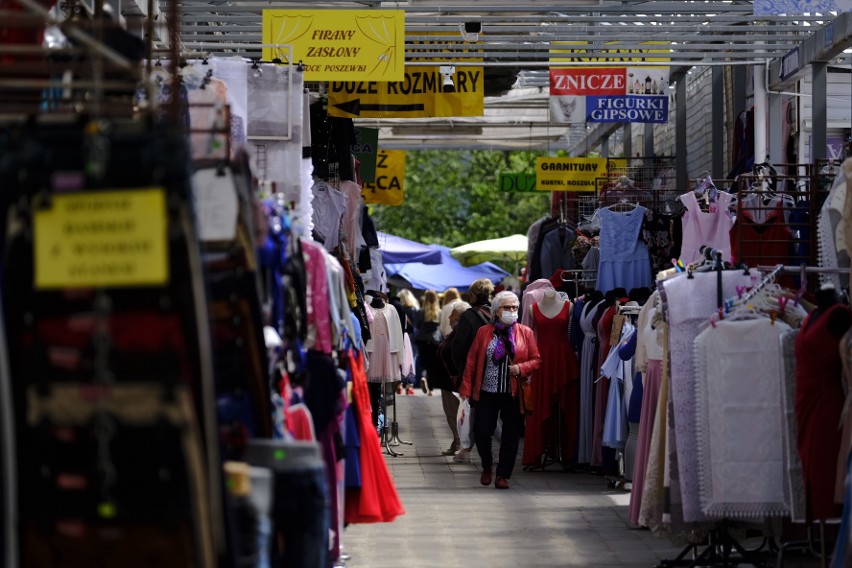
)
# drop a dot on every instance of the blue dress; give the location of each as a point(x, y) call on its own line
point(624, 259)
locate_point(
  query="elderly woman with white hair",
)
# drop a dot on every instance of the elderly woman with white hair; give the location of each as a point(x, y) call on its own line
point(504, 352)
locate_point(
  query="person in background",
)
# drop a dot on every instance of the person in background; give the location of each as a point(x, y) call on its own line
point(504, 352)
point(451, 296)
point(446, 377)
point(476, 316)
point(408, 308)
point(427, 336)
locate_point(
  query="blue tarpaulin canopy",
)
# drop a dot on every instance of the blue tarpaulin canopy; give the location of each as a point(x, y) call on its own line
point(449, 274)
point(396, 250)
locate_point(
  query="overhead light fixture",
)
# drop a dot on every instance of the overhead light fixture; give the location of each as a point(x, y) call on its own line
point(447, 72)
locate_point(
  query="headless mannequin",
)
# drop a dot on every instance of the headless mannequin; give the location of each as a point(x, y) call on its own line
point(551, 304)
point(840, 320)
point(592, 300)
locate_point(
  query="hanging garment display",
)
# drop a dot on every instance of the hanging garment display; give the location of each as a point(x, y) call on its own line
point(624, 261)
point(819, 404)
point(589, 356)
point(738, 366)
point(794, 483)
point(706, 228)
point(689, 302)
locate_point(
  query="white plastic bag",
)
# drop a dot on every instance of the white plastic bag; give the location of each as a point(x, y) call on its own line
point(465, 424)
point(498, 431)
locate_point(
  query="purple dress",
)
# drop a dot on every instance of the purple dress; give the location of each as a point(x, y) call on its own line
point(624, 259)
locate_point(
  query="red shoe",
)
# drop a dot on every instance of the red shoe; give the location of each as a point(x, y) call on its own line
point(399, 389)
point(501, 483)
point(485, 478)
point(410, 390)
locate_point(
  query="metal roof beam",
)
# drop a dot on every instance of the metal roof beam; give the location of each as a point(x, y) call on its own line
point(823, 45)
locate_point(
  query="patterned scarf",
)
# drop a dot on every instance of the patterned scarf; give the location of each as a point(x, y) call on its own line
point(506, 336)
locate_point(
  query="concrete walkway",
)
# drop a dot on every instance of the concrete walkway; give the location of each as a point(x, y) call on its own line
point(549, 518)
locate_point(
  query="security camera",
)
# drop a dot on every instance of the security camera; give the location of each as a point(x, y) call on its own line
point(470, 30)
point(447, 72)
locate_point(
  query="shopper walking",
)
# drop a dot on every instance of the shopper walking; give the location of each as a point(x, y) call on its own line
point(427, 337)
point(409, 308)
point(504, 352)
point(446, 377)
point(450, 298)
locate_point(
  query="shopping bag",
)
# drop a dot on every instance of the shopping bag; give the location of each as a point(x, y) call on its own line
point(465, 424)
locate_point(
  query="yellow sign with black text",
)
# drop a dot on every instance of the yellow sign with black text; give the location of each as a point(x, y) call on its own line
point(421, 94)
point(389, 187)
point(338, 45)
point(576, 174)
point(104, 238)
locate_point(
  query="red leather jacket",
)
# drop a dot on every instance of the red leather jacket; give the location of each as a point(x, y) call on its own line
point(526, 357)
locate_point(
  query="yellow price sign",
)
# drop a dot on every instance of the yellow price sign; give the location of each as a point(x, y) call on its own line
point(104, 238)
point(389, 187)
point(339, 45)
point(569, 174)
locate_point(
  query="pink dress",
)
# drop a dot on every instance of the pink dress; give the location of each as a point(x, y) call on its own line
point(706, 228)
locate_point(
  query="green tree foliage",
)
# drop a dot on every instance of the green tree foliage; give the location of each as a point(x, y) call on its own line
point(452, 197)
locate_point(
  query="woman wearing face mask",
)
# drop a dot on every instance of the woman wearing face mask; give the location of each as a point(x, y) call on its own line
point(504, 352)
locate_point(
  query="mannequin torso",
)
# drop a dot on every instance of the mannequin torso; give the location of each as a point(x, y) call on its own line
point(551, 304)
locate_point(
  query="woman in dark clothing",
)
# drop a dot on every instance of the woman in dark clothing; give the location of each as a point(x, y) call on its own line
point(427, 337)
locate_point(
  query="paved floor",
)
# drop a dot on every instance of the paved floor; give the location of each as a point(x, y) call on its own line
point(549, 518)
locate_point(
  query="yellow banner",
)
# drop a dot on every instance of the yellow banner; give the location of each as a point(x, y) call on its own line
point(574, 174)
point(109, 238)
point(339, 45)
point(574, 51)
point(421, 94)
point(389, 188)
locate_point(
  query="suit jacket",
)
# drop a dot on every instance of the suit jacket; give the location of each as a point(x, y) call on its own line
point(526, 357)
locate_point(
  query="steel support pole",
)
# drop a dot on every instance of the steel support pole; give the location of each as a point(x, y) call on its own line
point(680, 133)
point(718, 123)
point(819, 136)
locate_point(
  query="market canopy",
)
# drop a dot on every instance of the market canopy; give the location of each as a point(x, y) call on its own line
point(449, 274)
point(398, 250)
point(507, 249)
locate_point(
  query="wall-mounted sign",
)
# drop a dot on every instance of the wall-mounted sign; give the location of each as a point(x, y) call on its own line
point(790, 7)
point(338, 45)
point(576, 174)
point(516, 182)
point(789, 64)
point(418, 95)
point(389, 187)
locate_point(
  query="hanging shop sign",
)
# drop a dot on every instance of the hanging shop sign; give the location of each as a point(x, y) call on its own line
point(421, 94)
point(791, 7)
point(516, 182)
point(104, 238)
point(576, 174)
point(338, 45)
point(608, 94)
point(365, 150)
point(389, 187)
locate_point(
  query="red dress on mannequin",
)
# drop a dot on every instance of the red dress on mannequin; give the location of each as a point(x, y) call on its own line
point(555, 381)
point(819, 402)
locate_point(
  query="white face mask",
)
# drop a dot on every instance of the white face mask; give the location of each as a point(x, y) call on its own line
point(508, 317)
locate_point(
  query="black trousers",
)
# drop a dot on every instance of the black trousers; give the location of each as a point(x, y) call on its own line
point(489, 407)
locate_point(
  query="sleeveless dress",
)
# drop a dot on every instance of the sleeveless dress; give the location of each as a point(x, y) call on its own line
point(819, 403)
point(705, 228)
point(555, 380)
point(587, 384)
point(761, 241)
point(624, 261)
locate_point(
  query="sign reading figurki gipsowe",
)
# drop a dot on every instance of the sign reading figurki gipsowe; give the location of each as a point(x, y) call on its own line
point(338, 45)
point(575, 174)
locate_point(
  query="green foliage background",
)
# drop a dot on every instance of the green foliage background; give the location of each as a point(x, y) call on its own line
point(452, 198)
